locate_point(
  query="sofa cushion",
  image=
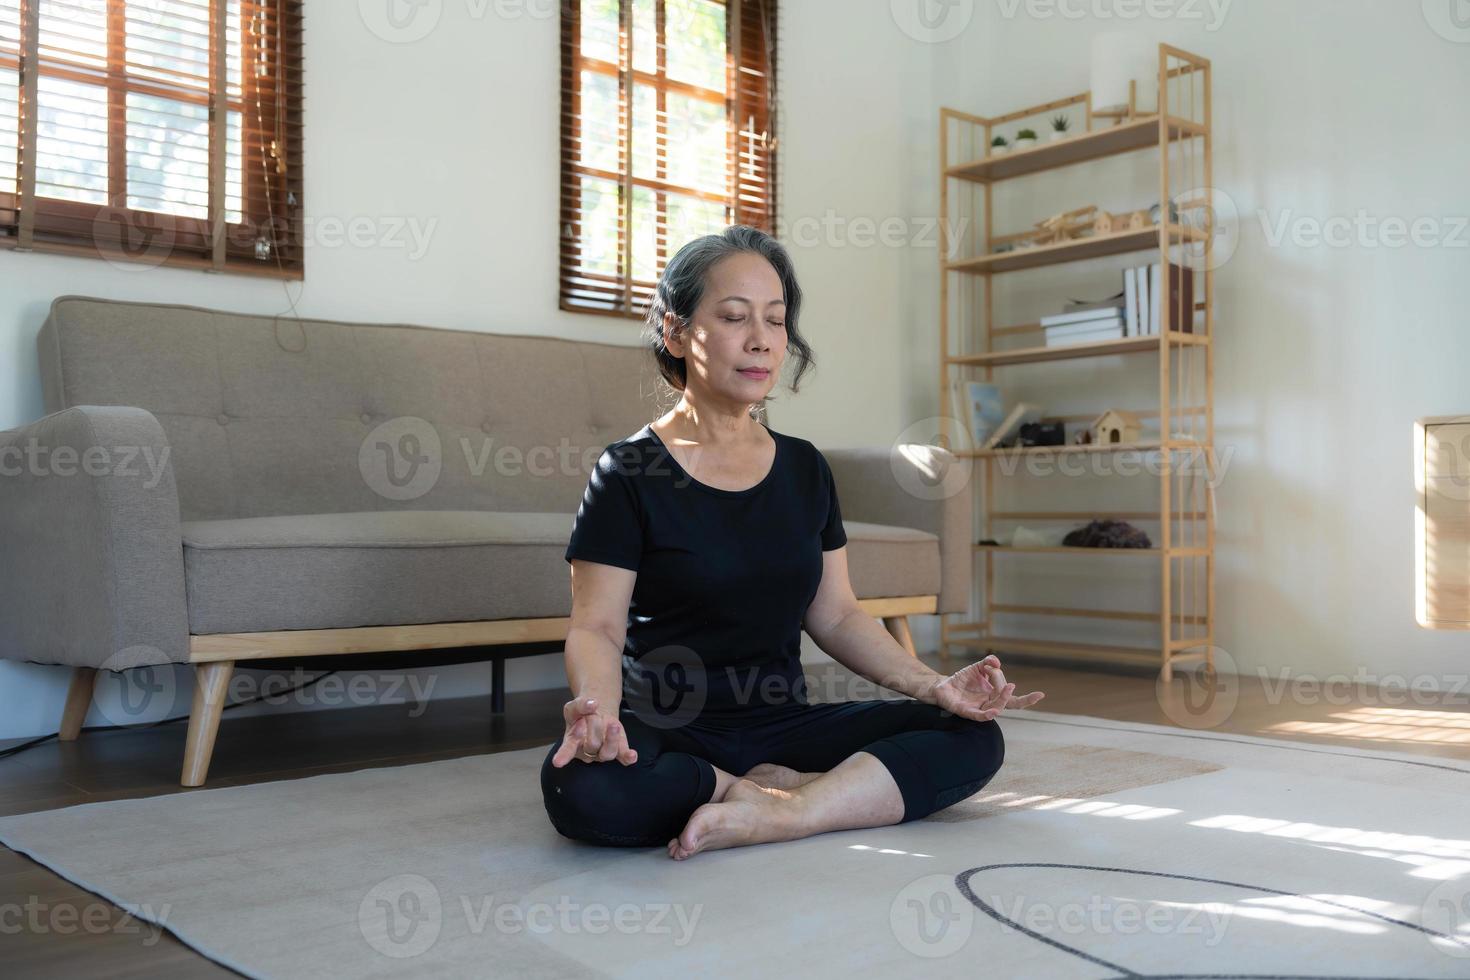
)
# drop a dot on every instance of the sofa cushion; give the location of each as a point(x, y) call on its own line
point(383, 568)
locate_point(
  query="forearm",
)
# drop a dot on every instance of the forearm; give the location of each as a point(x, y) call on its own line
point(861, 644)
point(594, 665)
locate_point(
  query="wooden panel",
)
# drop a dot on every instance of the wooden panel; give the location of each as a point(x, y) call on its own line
point(1447, 450)
point(1446, 570)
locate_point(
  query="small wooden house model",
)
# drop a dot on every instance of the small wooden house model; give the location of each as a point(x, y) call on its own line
point(1116, 426)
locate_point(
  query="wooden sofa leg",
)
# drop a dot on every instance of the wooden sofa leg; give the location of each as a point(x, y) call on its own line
point(211, 682)
point(497, 686)
point(78, 700)
point(899, 627)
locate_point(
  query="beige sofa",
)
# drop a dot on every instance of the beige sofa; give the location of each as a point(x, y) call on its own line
point(211, 488)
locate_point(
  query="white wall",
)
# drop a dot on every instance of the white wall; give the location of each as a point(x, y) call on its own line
point(1326, 354)
point(456, 133)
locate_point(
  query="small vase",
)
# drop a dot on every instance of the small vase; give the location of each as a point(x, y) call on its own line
point(1059, 135)
point(1025, 143)
point(996, 151)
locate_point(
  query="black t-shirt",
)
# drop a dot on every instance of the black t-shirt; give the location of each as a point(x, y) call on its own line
point(724, 576)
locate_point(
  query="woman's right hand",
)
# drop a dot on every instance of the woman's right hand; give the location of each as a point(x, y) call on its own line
point(592, 735)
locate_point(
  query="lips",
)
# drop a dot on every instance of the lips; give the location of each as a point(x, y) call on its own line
point(758, 374)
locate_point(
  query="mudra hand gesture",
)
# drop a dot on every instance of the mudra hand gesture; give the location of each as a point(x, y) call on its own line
point(980, 691)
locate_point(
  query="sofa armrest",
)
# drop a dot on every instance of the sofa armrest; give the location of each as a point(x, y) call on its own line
point(91, 555)
point(918, 486)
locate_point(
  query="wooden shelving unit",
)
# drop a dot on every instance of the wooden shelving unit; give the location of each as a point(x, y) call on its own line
point(1178, 135)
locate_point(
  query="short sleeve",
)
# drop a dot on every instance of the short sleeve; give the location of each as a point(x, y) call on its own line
point(834, 536)
point(609, 524)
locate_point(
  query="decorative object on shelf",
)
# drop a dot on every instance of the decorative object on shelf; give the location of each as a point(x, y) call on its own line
point(1106, 223)
point(1155, 211)
point(980, 406)
point(1060, 227)
point(1042, 434)
point(1116, 426)
point(1024, 537)
point(1082, 321)
point(998, 146)
point(1083, 437)
point(1107, 534)
point(1059, 126)
point(1023, 412)
point(1025, 139)
point(1125, 80)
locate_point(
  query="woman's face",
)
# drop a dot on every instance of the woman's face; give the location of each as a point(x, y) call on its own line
point(740, 324)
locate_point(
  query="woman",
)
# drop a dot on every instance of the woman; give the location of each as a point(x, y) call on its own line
point(704, 544)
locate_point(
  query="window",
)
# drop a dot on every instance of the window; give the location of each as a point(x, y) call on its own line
point(153, 131)
point(668, 133)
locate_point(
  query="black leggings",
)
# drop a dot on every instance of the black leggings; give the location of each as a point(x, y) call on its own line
point(935, 757)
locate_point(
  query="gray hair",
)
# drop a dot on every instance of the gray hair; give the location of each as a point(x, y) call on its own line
point(682, 285)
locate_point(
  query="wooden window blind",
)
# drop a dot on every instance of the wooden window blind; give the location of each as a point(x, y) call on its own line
point(668, 132)
point(153, 131)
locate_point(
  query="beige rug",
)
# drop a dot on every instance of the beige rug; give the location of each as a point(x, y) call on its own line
point(1101, 850)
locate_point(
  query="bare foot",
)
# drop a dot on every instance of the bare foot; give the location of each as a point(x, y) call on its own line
point(749, 814)
point(772, 776)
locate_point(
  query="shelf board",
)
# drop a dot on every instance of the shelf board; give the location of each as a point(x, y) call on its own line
point(1122, 138)
point(1121, 447)
point(1145, 445)
point(1075, 250)
point(1078, 550)
point(1007, 644)
point(1089, 348)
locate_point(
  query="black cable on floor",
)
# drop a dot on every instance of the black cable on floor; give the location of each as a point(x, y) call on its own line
point(42, 740)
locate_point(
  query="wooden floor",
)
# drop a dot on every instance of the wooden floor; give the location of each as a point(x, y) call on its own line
point(118, 765)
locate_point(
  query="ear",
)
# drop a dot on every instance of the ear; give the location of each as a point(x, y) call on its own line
point(673, 336)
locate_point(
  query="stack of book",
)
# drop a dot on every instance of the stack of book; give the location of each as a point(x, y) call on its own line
point(1083, 322)
point(1132, 313)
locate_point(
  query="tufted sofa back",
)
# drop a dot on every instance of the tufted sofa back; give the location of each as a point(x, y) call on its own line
point(269, 416)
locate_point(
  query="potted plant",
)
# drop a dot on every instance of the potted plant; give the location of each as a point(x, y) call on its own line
point(1025, 138)
point(998, 146)
point(1059, 127)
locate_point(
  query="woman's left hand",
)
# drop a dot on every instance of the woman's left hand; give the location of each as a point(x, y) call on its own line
point(979, 691)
